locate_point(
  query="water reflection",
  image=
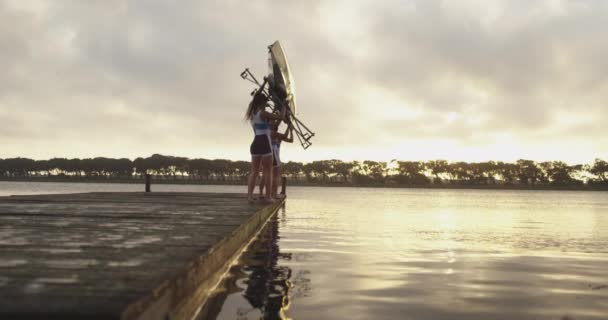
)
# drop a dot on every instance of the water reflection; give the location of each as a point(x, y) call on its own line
point(258, 286)
point(420, 254)
point(350, 253)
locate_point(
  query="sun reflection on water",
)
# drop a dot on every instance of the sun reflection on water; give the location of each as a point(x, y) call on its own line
point(341, 253)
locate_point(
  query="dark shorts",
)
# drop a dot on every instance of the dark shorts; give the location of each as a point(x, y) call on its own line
point(260, 146)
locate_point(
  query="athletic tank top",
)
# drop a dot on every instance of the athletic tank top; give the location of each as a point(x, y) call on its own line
point(260, 127)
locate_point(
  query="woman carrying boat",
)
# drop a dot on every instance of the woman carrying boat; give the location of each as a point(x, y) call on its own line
point(277, 138)
point(261, 147)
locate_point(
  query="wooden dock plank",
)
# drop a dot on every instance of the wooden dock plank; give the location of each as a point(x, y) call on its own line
point(118, 255)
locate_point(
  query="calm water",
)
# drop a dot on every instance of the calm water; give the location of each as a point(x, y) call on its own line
point(343, 253)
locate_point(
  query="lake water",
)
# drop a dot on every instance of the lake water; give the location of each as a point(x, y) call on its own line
point(347, 253)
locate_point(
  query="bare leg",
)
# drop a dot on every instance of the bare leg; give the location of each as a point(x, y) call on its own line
point(262, 184)
point(276, 176)
point(267, 176)
point(255, 169)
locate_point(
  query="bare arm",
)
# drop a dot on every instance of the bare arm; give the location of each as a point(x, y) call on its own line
point(273, 116)
point(288, 135)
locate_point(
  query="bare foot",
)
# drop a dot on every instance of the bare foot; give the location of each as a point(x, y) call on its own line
point(250, 199)
point(268, 200)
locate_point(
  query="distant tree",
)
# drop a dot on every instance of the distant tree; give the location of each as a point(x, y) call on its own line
point(241, 169)
point(460, 171)
point(41, 168)
point(412, 172)
point(19, 167)
point(56, 166)
point(3, 168)
point(309, 171)
point(321, 169)
point(201, 167)
point(75, 167)
point(529, 172)
point(220, 168)
point(507, 172)
point(343, 169)
point(122, 167)
point(140, 166)
point(179, 165)
point(293, 169)
point(375, 170)
point(600, 170)
point(484, 172)
point(156, 164)
point(438, 168)
point(559, 173)
point(579, 173)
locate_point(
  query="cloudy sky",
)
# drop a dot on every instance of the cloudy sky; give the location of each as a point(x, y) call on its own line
point(412, 80)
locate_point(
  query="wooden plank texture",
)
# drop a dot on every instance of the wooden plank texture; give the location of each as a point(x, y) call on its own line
point(119, 255)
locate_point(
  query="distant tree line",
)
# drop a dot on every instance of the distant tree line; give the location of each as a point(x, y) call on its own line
point(406, 173)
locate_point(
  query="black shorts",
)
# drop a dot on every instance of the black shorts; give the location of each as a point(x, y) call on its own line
point(260, 146)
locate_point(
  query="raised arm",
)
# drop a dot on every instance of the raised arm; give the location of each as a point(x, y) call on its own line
point(288, 135)
point(273, 116)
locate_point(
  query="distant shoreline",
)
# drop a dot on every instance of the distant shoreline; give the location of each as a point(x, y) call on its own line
point(313, 184)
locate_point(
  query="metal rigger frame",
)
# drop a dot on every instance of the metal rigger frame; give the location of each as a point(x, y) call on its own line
point(301, 130)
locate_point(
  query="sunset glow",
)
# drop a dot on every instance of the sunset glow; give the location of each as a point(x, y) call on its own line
point(414, 80)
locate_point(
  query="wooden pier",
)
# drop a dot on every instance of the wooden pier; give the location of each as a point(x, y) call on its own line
point(119, 255)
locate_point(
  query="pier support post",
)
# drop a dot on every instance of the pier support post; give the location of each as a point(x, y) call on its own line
point(283, 185)
point(147, 178)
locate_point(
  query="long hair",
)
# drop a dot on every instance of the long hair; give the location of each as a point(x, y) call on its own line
point(258, 101)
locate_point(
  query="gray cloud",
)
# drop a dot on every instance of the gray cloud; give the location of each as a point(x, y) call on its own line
point(530, 60)
point(130, 78)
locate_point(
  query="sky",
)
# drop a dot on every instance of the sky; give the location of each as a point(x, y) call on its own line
point(378, 80)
